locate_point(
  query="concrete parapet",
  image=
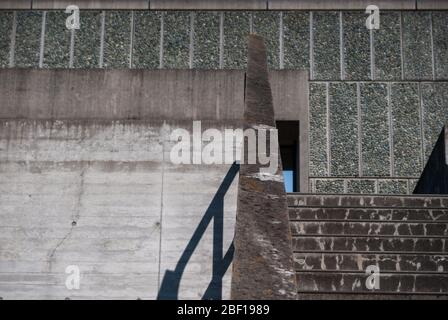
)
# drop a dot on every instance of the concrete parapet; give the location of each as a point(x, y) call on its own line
point(227, 5)
point(95, 4)
point(121, 94)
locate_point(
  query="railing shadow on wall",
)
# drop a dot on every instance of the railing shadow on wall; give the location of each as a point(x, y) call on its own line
point(434, 178)
point(169, 289)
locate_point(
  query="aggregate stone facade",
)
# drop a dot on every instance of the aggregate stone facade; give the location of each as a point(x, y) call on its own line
point(390, 84)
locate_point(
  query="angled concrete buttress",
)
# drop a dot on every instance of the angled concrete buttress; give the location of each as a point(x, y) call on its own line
point(263, 265)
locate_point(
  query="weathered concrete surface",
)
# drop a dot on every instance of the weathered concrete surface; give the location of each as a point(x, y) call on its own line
point(89, 4)
point(366, 201)
point(434, 178)
point(263, 266)
point(15, 4)
point(142, 94)
point(340, 4)
point(121, 94)
point(207, 5)
point(86, 147)
point(290, 92)
point(104, 195)
point(86, 179)
point(336, 238)
point(227, 5)
point(432, 4)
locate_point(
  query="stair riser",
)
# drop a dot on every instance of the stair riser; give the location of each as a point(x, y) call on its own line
point(359, 262)
point(352, 244)
point(369, 229)
point(369, 296)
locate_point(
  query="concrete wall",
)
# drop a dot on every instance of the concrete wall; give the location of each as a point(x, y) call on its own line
point(143, 94)
point(86, 180)
point(105, 197)
point(359, 120)
point(226, 5)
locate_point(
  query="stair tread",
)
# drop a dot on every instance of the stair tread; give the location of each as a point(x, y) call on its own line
point(336, 237)
point(354, 201)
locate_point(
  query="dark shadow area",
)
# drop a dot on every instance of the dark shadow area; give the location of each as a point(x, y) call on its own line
point(434, 179)
point(288, 137)
point(169, 288)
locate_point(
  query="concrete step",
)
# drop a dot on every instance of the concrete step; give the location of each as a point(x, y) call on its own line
point(336, 237)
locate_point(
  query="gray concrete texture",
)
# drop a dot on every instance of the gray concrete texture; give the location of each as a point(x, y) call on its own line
point(135, 212)
point(121, 94)
point(207, 5)
point(89, 4)
point(86, 180)
point(339, 4)
point(15, 4)
point(432, 4)
point(364, 74)
point(446, 144)
point(263, 267)
point(336, 238)
point(227, 5)
point(142, 94)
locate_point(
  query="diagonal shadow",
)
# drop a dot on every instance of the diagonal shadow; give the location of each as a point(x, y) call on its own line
point(169, 288)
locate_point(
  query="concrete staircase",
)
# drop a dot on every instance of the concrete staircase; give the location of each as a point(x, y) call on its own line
point(336, 237)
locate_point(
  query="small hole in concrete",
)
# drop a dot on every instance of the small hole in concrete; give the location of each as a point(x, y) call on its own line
point(74, 223)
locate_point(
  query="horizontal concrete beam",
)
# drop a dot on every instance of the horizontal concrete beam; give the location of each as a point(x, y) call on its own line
point(208, 5)
point(95, 4)
point(432, 4)
point(142, 94)
point(340, 4)
point(15, 4)
point(227, 5)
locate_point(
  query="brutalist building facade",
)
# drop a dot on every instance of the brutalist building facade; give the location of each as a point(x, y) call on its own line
point(91, 205)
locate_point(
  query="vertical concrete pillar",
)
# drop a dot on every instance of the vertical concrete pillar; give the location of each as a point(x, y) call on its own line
point(263, 262)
